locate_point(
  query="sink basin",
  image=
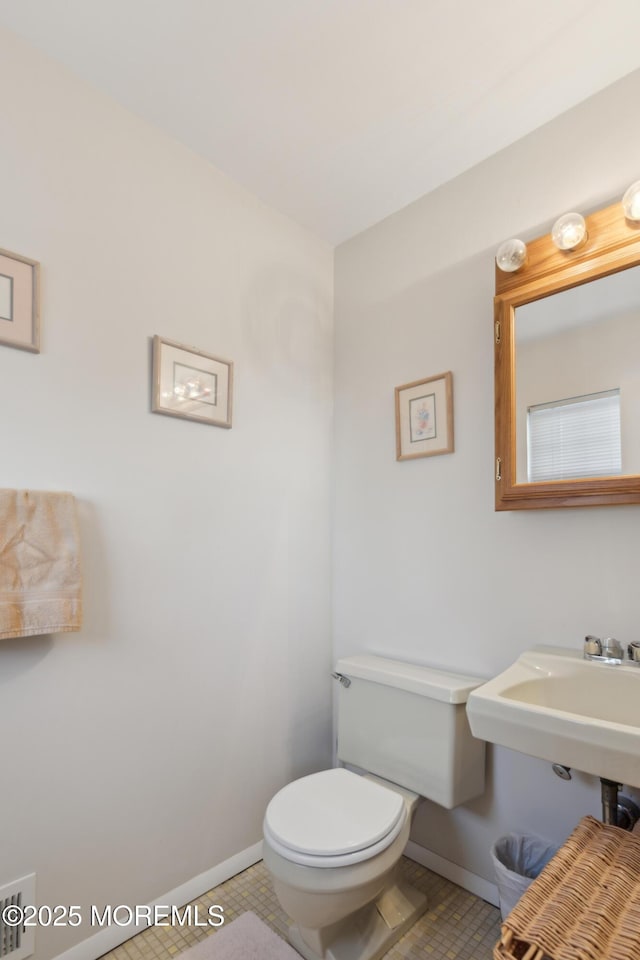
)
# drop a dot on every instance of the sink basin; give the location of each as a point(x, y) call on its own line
point(553, 704)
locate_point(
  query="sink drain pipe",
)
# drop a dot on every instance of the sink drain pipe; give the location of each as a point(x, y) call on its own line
point(617, 809)
point(609, 801)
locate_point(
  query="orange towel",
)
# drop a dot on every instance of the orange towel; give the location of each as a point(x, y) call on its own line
point(40, 580)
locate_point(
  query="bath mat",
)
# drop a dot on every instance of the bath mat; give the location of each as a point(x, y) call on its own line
point(246, 938)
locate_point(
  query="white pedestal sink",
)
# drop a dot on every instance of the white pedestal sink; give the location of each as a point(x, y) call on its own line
point(553, 704)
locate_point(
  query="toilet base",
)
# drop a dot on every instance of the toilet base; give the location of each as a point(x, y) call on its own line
point(367, 934)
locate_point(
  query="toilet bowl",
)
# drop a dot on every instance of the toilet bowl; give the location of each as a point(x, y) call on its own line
point(333, 840)
point(332, 843)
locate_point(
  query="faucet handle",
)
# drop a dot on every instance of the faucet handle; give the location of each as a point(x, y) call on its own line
point(592, 646)
point(612, 648)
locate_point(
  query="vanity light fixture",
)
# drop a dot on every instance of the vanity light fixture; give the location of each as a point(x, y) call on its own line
point(631, 202)
point(511, 255)
point(569, 231)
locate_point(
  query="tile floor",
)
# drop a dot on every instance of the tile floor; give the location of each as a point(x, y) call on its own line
point(456, 926)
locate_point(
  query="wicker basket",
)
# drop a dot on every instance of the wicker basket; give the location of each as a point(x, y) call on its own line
point(585, 905)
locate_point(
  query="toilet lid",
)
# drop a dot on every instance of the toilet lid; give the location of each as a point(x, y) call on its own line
point(333, 813)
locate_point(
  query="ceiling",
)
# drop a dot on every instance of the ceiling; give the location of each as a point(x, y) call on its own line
point(339, 112)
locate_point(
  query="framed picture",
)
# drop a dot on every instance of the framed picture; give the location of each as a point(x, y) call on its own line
point(190, 383)
point(19, 307)
point(424, 417)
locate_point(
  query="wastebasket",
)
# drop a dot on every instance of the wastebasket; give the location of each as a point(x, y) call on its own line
point(517, 860)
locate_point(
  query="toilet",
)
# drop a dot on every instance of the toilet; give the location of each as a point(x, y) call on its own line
point(333, 840)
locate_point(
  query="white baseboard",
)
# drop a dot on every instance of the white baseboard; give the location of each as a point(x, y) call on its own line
point(451, 871)
point(112, 936)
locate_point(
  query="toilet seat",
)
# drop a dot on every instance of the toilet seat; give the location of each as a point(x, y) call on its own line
point(333, 818)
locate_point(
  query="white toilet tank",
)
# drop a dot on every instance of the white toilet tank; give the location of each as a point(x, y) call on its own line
point(408, 724)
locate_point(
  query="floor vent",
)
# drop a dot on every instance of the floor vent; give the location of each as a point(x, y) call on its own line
point(16, 940)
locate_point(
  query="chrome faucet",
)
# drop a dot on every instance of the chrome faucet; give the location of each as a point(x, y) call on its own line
point(610, 650)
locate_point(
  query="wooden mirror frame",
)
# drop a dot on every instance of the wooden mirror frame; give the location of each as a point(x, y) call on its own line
point(613, 244)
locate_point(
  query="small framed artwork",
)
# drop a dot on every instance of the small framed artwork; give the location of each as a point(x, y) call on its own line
point(19, 307)
point(191, 384)
point(424, 417)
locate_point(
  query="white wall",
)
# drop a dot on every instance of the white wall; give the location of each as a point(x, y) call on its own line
point(424, 569)
point(142, 751)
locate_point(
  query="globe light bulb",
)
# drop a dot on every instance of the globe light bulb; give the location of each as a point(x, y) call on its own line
point(569, 231)
point(631, 202)
point(511, 255)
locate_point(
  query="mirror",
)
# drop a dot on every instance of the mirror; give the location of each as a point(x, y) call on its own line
point(577, 379)
point(567, 367)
